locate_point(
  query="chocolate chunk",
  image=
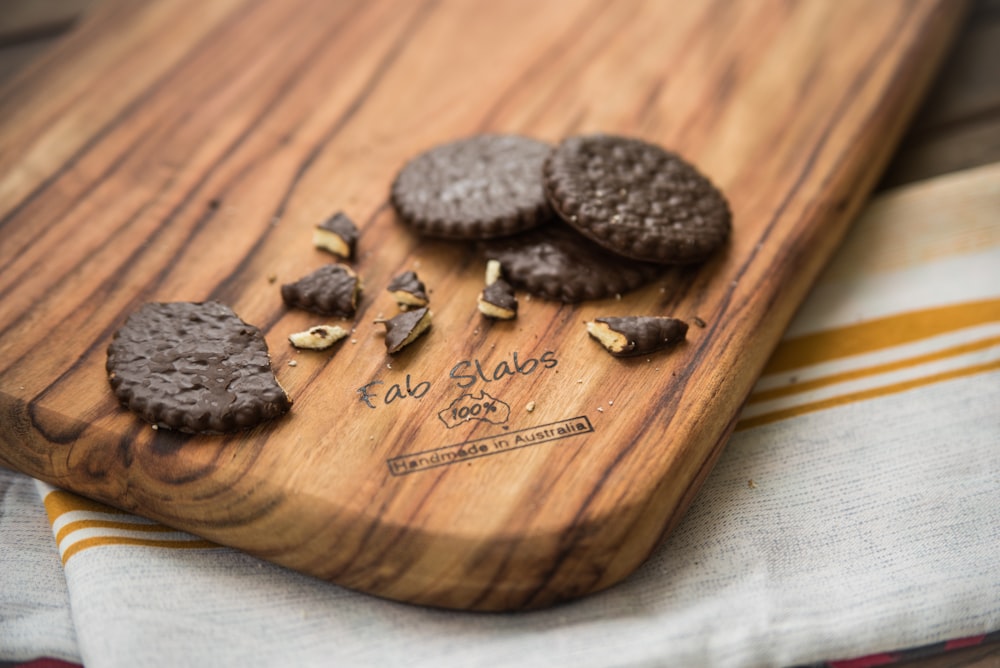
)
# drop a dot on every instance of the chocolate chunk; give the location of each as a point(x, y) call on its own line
point(405, 328)
point(194, 367)
point(337, 234)
point(636, 199)
point(332, 289)
point(555, 262)
point(480, 187)
point(408, 290)
point(497, 301)
point(319, 337)
point(637, 335)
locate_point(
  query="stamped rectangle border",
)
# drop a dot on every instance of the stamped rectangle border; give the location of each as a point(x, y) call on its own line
point(509, 434)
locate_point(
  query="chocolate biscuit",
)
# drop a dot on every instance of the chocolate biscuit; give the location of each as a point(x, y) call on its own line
point(636, 199)
point(333, 289)
point(194, 367)
point(476, 188)
point(554, 262)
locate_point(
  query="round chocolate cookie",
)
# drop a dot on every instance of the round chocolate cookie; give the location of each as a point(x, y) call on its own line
point(194, 367)
point(554, 262)
point(476, 188)
point(636, 199)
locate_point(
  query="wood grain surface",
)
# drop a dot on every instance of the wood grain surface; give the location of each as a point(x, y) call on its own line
point(184, 151)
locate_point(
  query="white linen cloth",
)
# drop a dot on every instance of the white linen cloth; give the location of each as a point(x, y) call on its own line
point(855, 510)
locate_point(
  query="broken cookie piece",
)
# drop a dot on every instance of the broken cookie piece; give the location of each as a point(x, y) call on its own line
point(337, 234)
point(497, 299)
point(637, 335)
point(408, 290)
point(405, 328)
point(330, 290)
point(195, 367)
point(319, 337)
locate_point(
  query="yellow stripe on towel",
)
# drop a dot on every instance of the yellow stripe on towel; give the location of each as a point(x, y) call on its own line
point(58, 502)
point(100, 516)
point(854, 374)
point(802, 409)
point(98, 541)
point(879, 334)
point(109, 524)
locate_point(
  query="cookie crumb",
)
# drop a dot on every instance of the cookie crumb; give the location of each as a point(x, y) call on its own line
point(751, 484)
point(319, 337)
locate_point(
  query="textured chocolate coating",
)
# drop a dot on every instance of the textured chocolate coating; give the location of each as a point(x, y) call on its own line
point(500, 294)
point(403, 329)
point(343, 230)
point(636, 199)
point(330, 290)
point(497, 300)
point(555, 262)
point(476, 188)
point(408, 289)
point(640, 335)
point(194, 367)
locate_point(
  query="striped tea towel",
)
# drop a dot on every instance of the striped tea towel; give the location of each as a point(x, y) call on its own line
point(856, 509)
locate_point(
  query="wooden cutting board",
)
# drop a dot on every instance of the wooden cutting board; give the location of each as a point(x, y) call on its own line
point(183, 151)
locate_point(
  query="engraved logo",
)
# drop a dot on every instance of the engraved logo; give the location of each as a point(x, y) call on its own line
point(480, 406)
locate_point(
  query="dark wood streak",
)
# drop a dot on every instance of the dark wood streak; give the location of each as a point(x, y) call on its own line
point(539, 65)
point(107, 286)
point(19, 86)
point(789, 252)
point(570, 75)
point(69, 269)
point(691, 491)
point(666, 414)
point(708, 17)
point(129, 110)
point(130, 150)
point(513, 547)
point(224, 289)
point(399, 534)
point(392, 55)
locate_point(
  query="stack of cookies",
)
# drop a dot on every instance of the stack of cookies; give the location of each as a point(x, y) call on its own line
point(592, 217)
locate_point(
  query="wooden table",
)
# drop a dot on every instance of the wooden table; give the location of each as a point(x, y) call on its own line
point(958, 127)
